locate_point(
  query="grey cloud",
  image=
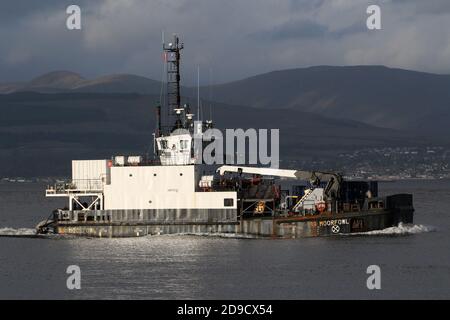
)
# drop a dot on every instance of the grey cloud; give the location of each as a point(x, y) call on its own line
point(306, 5)
point(13, 11)
point(306, 29)
point(299, 29)
point(424, 7)
point(355, 28)
point(236, 38)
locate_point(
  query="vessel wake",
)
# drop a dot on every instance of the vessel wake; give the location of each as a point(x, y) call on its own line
point(401, 229)
point(18, 233)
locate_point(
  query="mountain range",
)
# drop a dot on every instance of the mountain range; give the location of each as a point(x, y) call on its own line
point(320, 111)
point(385, 97)
point(376, 95)
point(67, 81)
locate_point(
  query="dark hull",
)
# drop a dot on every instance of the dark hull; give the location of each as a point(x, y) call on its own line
point(326, 224)
point(136, 223)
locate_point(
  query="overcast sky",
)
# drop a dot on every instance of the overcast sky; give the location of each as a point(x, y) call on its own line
point(235, 38)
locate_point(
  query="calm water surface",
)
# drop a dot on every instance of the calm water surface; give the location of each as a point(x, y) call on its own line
point(415, 264)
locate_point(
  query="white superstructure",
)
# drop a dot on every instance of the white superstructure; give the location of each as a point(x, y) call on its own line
point(139, 187)
point(161, 187)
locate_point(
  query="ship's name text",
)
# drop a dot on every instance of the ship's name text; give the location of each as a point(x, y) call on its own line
point(327, 223)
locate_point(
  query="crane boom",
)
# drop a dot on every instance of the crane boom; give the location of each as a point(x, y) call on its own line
point(314, 177)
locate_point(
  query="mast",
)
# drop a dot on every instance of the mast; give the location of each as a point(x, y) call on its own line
point(198, 93)
point(172, 57)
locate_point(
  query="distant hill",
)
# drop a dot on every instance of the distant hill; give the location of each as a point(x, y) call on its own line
point(376, 95)
point(55, 80)
point(10, 87)
point(399, 99)
point(119, 83)
point(41, 133)
point(66, 81)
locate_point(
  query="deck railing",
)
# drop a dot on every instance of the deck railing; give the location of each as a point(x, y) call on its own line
point(76, 186)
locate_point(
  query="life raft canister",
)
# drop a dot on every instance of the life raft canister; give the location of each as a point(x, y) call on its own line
point(321, 206)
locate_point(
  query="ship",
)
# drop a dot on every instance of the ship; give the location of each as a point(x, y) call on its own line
point(173, 193)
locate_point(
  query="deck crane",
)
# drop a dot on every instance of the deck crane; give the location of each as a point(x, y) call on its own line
point(314, 177)
point(315, 198)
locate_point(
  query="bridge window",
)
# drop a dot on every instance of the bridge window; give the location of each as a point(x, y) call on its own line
point(184, 144)
point(163, 144)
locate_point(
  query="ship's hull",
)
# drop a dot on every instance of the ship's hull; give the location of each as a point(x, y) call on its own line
point(326, 225)
point(136, 223)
